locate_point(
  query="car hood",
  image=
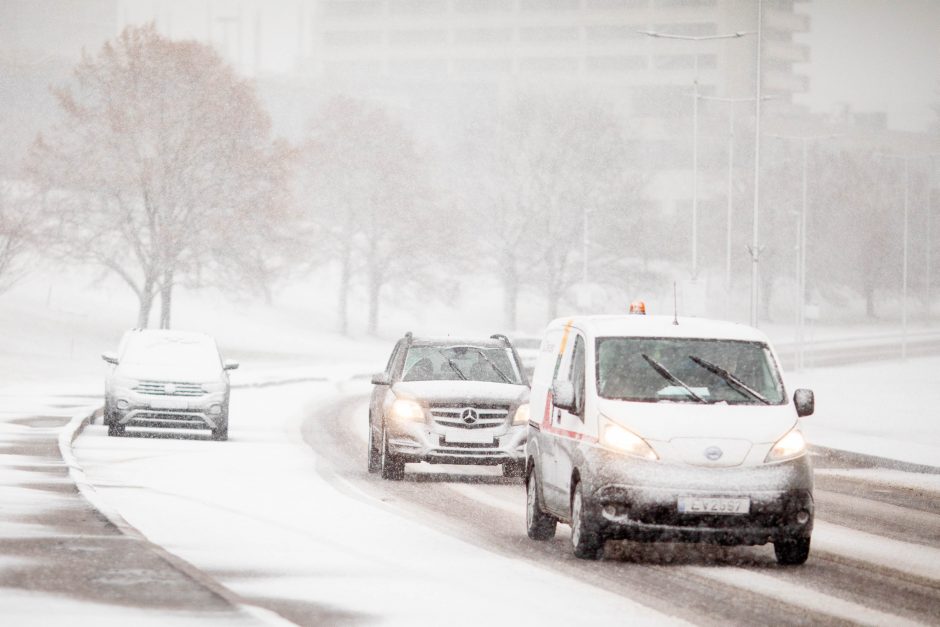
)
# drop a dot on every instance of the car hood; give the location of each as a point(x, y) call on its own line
point(194, 373)
point(480, 391)
point(667, 421)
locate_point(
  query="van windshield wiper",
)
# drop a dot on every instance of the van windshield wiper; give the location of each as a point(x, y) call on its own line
point(493, 366)
point(668, 376)
point(734, 382)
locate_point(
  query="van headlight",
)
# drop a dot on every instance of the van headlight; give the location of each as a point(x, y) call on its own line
point(407, 410)
point(793, 444)
point(615, 437)
point(521, 417)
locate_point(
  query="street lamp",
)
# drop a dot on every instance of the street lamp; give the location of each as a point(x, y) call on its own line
point(906, 159)
point(801, 243)
point(755, 235)
point(695, 99)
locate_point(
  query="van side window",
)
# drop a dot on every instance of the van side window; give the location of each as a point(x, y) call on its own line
point(577, 376)
point(548, 355)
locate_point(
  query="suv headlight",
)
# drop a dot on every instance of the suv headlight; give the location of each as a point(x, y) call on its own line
point(793, 444)
point(615, 437)
point(407, 410)
point(521, 417)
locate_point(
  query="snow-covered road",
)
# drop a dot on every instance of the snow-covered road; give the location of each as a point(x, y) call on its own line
point(286, 516)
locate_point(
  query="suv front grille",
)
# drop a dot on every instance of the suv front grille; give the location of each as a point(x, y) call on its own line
point(169, 388)
point(470, 417)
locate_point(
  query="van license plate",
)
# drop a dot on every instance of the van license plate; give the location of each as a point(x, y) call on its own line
point(716, 505)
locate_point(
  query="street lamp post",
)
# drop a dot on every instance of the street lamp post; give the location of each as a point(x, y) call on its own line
point(904, 241)
point(695, 99)
point(755, 234)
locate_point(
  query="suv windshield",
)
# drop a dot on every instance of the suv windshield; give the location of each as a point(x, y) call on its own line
point(168, 351)
point(460, 363)
point(687, 370)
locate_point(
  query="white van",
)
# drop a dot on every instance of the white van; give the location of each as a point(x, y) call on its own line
point(652, 428)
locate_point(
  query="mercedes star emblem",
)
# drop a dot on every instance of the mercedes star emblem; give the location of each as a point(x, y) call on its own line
point(469, 415)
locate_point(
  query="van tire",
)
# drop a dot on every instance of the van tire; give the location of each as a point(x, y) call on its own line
point(586, 539)
point(539, 525)
point(792, 551)
point(392, 467)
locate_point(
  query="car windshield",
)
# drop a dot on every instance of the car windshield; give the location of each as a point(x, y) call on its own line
point(460, 363)
point(171, 351)
point(687, 370)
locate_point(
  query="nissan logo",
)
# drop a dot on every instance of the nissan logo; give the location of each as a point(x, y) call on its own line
point(469, 415)
point(713, 453)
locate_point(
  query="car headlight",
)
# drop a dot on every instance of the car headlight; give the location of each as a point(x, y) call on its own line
point(793, 444)
point(615, 437)
point(405, 410)
point(521, 416)
point(123, 383)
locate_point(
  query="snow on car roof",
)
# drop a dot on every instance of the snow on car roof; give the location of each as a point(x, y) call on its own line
point(662, 326)
point(458, 341)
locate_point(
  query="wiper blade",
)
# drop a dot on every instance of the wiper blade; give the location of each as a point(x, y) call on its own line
point(735, 383)
point(493, 366)
point(668, 376)
point(450, 362)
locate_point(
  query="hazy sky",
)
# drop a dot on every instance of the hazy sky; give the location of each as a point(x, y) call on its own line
point(875, 55)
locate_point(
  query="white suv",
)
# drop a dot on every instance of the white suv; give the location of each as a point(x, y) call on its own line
point(655, 429)
point(167, 379)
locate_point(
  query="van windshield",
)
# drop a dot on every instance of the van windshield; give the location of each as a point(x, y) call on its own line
point(691, 370)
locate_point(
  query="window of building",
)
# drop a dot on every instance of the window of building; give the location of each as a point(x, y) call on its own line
point(674, 62)
point(613, 5)
point(417, 66)
point(417, 7)
point(691, 29)
point(607, 32)
point(341, 8)
point(549, 33)
point(482, 6)
point(558, 64)
point(417, 37)
point(482, 35)
point(483, 65)
point(352, 37)
point(617, 63)
point(550, 5)
point(673, 4)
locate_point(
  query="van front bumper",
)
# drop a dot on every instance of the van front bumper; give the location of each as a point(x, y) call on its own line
point(639, 500)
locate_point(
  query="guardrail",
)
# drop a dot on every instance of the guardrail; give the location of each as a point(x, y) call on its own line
point(852, 350)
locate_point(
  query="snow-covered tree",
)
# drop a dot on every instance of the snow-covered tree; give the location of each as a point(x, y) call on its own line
point(161, 168)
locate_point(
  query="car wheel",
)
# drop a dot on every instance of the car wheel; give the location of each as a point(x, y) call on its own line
point(539, 525)
point(115, 429)
point(391, 467)
point(792, 551)
point(513, 469)
point(220, 433)
point(587, 542)
point(375, 455)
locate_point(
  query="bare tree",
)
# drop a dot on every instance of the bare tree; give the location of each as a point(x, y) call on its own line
point(365, 190)
point(161, 167)
point(18, 226)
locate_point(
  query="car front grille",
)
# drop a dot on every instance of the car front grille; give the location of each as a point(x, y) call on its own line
point(169, 388)
point(470, 416)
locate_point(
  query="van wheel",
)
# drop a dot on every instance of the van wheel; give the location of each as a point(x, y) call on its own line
point(375, 455)
point(539, 525)
point(586, 541)
point(513, 469)
point(792, 551)
point(391, 466)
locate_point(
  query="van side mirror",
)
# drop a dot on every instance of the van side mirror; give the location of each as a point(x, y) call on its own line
point(230, 364)
point(563, 395)
point(381, 379)
point(805, 402)
point(110, 357)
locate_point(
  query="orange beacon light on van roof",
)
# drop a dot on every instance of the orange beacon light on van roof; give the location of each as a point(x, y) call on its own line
point(638, 307)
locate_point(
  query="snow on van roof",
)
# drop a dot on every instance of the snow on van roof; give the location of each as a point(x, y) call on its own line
point(661, 326)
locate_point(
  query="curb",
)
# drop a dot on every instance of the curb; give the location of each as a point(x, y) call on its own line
point(66, 437)
point(872, 461)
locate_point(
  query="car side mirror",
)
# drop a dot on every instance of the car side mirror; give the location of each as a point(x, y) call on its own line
point(109, 357)
point(805, 402)
point(563, 395)
point(381, 379)
point(230, 364)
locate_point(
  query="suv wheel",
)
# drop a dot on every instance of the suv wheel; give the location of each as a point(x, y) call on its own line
point(792, 551)
point(513, 469)
point(391, 466)
point(220, 433)
point(375, 455)
point(585, 539)
point(539, 525)
point(115, 428)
